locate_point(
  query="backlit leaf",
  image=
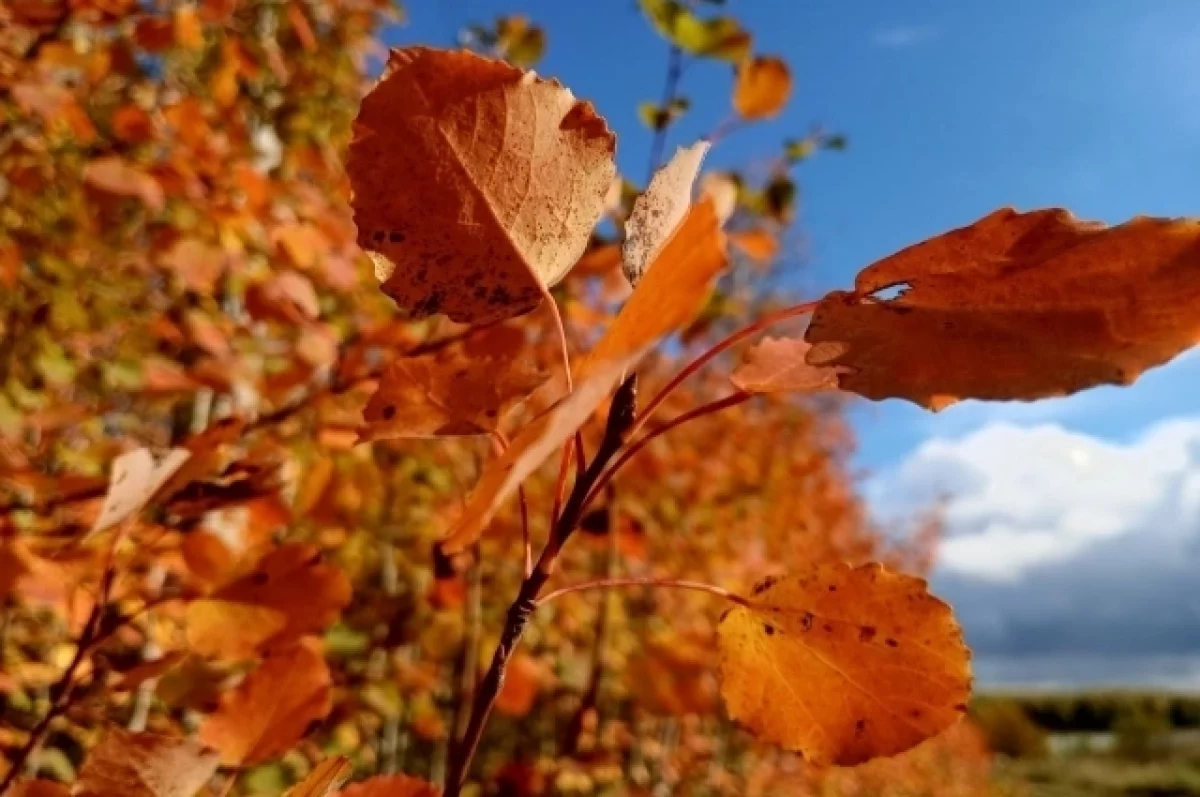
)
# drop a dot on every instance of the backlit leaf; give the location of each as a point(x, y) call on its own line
point(674, 289)
point(660, 209)
point(843, 664)
point(764, 84)
point(273, 708)
point(1016, 306)
point(126, 764)
point(777, 365)
point(391, 786)
point(504, 175)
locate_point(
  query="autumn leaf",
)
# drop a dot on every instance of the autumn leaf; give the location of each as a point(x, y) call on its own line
point(763, 86)
point(673, 290)
point(757, 244)
point(323, 779)
point(473, 234)
point(777, 365)
point(722, 189)
point(290, 593)
point(843, 664)
point(135, 480)
point(1015, 306)
point(522, 683)
point(273, 708)
point(39, 788)
point(391, 786)
point(126, 764)
point(659, 210)
point(113, 175)
point(463, 388)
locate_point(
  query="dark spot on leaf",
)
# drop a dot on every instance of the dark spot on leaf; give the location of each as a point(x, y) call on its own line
point(866, 633)
point(828, 628)
point(806, 622)
point(396, 237)
point(389, 412)
point(765, 584)
point(259, 579)
point(769, 629)
point(891, 643)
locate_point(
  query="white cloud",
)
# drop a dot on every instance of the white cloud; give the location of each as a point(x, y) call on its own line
point(1060, 544)
point(900, 37)
point(1023, 497)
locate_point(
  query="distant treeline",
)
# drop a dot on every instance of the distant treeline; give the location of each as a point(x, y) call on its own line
point(1095, 712)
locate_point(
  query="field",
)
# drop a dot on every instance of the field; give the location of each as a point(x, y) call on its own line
point(1095, 745)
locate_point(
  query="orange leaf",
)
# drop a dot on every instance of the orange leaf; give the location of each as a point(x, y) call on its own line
point(844, 665)
point(273, 708)
point(506, 175)
point(189, 32)
point(128, 764)
point(777, 365)
point(522, 683)
point(757, 244)
point(463, 388)
point(289, 594)
point(1016, 306)
point(391, 786)
point(114, 176)
point(324, 778)
point(674, 289)
point(764, 84)
point(39, 788)
point(659, 210)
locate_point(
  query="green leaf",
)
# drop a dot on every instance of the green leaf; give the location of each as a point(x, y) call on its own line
point(719, 37)
point(796, 150)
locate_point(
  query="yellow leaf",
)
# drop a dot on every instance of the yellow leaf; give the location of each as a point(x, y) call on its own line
point(844, 664)
point(674, 289)
point(505, 176)
point(763, 86)
point(1015, 306)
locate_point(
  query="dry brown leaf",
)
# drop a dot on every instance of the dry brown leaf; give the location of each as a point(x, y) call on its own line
point(777, 365)
point(504, 177)
point(136, 478)
point(673, 291)
point(126, 764)
point(323, 779)
point(659, 210)
point(1016, 306)
point(290, 593)
point(112, 175)
point(464, 388)
point(391, 786)
point(273, 708)
point(844, 664)
point(763, 87)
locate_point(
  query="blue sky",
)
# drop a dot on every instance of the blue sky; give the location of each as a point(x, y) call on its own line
point(952, 110)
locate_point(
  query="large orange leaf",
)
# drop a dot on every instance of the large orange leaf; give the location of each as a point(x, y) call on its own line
point(127, 764)
point(844, 664)
point(476, 184)
point(290, 593)
point(273, 708)
point(672, 292)
point(463, 388)
point(1016, 306)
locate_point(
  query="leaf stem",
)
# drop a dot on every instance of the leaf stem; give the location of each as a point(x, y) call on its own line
point(708, 356)
point(670, 89)
point(621, 414)
point(673, 583)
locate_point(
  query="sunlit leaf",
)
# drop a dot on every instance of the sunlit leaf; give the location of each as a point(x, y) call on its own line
point(1015, 306)
point(474, 235)
point(658, 211)
point(136, 478)
point(777, 365)
point(764, 84)
point(843, 664)
point(126, 764)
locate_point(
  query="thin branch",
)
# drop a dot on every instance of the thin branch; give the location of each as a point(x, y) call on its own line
point(526, 542)
point(673, 583)
point(632, 449)
point(708, 356)
point(620, 417)
point(670, 90)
